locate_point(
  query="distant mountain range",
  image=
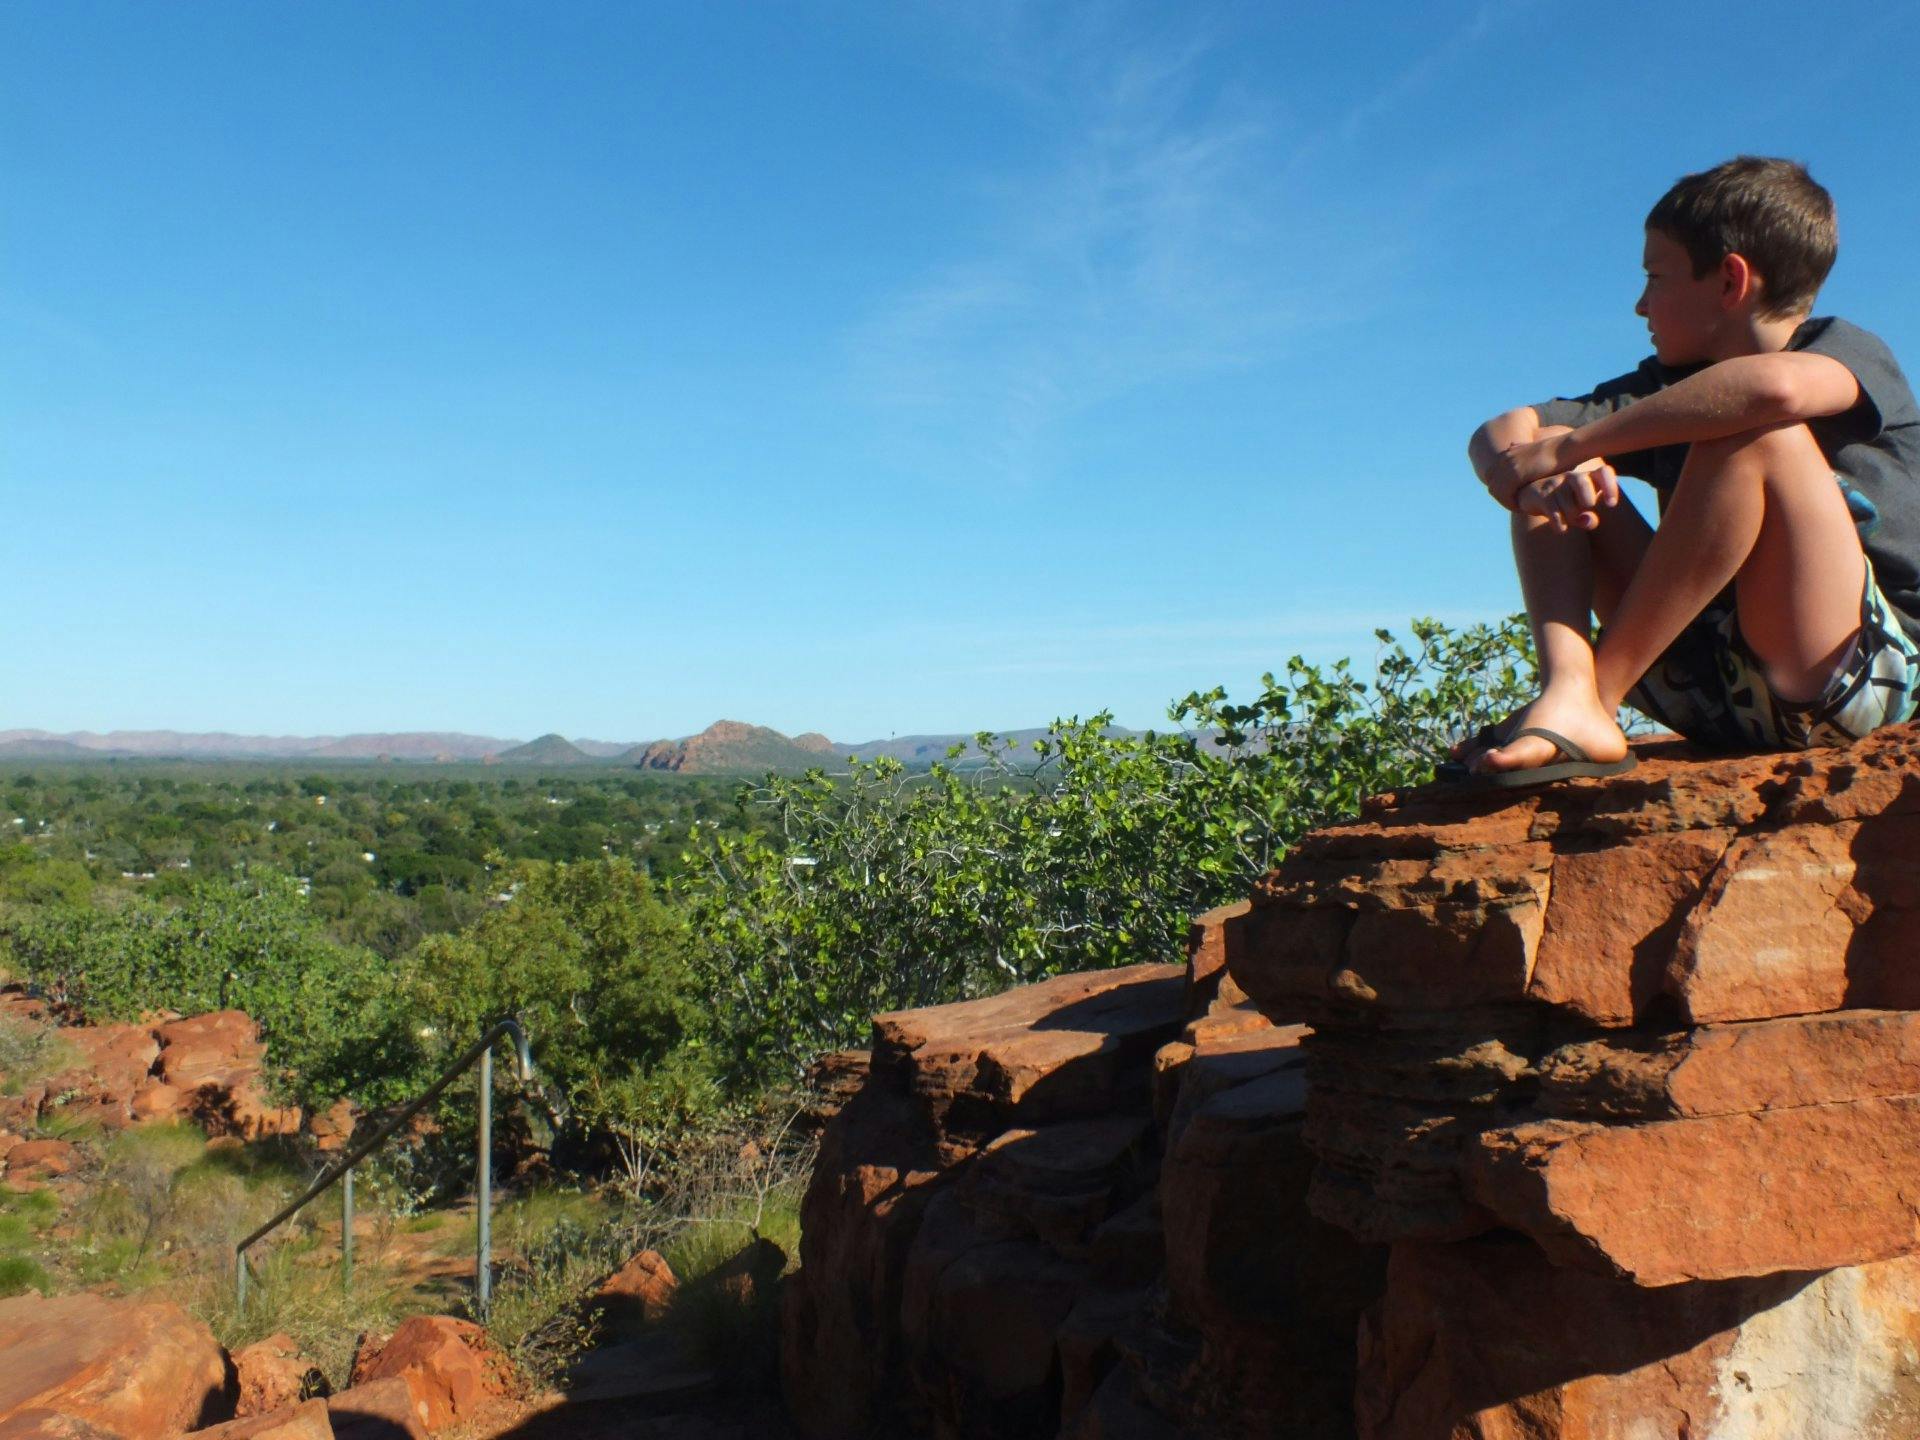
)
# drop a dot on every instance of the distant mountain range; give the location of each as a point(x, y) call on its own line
point(174, 744)
point(725, 747)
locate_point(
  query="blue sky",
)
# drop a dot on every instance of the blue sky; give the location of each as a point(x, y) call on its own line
point(866, 368)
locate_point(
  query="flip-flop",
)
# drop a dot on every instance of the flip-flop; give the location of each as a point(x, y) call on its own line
point(1577, 765)
point(1486, 738)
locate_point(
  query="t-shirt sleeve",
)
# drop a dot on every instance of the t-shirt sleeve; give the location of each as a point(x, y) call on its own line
point(1604, 399)
point(1882, 387)
point(1660, 466)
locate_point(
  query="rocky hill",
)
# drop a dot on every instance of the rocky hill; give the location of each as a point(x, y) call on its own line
point(728, 746)
point(1579, 1114)
point(547, 750)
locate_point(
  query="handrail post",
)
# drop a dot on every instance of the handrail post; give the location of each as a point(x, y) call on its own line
point(346, 1231)
point(342, 1169)
point(483, 1239)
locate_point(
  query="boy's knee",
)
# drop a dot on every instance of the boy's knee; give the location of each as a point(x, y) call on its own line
point(1772, 449)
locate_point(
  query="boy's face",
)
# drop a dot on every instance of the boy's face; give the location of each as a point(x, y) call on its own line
point(1683, 314)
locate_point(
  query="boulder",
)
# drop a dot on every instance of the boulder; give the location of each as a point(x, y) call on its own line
point(112, 1063)
point(378, 1410)
point(332, 1128)
point(751, 1274)
point(1733, 1069)
point(449, 1366)
point(220, 1049)
point(981, 1315)
point(1272, 1294)
point(832, 1080)
point(841, 1350)
point(158, 1101)
point(306, 1420)
point(639, 1292)
point(136, 1369)
point(243, 1110)
point(1064, 1049)
point(272, 1375)
point(40, 1160)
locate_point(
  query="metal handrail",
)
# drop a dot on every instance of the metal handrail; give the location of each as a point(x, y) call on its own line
point(342, 1169)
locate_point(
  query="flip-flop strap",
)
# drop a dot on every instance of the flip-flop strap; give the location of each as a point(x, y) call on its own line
point(1560, 742)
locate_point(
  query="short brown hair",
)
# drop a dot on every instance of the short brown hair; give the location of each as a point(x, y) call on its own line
point(1772, 212)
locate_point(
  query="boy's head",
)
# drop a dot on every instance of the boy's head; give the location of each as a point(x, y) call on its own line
point(1770, 214)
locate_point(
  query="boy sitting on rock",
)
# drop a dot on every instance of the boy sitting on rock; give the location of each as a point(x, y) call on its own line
point(1772, 608)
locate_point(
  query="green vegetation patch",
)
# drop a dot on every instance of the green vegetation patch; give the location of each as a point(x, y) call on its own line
point(19, 1274)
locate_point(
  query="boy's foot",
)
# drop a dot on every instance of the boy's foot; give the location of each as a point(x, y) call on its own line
point(1486, 738)
point(1580, 719)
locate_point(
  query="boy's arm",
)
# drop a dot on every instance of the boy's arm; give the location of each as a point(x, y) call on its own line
point(1502, 434)
point(1748, 392)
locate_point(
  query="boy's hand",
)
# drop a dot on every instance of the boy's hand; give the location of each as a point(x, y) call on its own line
point(1519, 466)
point(1572, 500)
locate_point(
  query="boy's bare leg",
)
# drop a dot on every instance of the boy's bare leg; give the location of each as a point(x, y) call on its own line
point(1761, 508)
point(1565, 577)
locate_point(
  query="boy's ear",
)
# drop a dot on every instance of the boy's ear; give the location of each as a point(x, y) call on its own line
point(1739, 281)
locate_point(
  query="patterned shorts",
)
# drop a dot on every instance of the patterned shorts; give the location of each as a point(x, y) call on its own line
point(1711, 688)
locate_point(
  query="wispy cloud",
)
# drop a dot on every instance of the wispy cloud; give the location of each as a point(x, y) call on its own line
point(1165, 230)
point(1141, 247)
point(1425, 71)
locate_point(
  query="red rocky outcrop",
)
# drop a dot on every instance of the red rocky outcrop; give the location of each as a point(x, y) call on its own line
point(1585, 1113)
point(210, 1068)
point(1659, 1027)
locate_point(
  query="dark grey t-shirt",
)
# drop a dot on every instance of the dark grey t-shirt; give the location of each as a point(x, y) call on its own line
point(1874, 447)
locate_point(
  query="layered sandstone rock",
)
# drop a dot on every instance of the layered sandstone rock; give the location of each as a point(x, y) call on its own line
point(893, 1258)
point(1489, 1339)
point(1553, 1013)
point(1658, 1027)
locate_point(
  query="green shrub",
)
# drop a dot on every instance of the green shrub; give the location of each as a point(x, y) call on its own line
point(330, 1013)
point(883, 889)
point(28, 1052)
point(540, 1317)
point(596, 967)
point(305, 1301)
